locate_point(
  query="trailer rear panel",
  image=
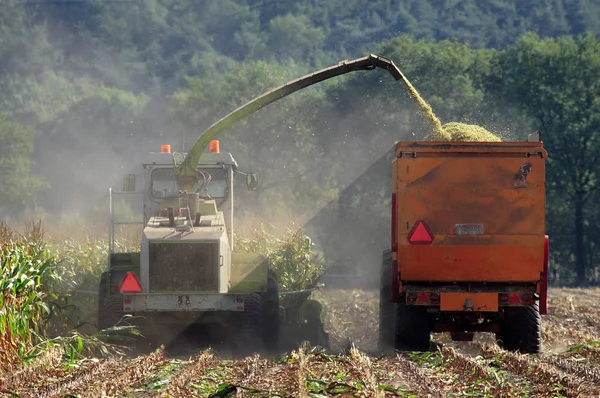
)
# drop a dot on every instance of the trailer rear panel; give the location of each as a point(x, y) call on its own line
point(469, 212)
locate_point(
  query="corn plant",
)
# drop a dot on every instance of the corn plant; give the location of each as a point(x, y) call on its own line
point(79, 265)
point(292, 258)
point(25, 269)
point(7, 234)
point(29, 270)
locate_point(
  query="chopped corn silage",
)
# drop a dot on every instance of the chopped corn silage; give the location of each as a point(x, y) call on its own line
point(461, 132)
point(453, 131)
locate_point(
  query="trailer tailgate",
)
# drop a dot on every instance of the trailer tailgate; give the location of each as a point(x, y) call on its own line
point(483, 204)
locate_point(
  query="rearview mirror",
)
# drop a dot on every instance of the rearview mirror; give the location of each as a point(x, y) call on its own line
point(129, 182)
point(252, 181)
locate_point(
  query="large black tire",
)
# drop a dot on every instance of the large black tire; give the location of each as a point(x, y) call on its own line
point(111, 312)
point(102, 294)
point(250, 336)
point(110, 306)
point(413, 332)
point(322, 339)
point(522, 329)
point(270, 308)
point(386, 305)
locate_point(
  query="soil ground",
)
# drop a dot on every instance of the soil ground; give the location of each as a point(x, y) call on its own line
point(568, 367)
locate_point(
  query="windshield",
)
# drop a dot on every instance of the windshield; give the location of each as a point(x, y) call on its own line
point(212, 183)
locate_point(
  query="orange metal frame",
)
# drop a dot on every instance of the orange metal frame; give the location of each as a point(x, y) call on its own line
point(477, 302)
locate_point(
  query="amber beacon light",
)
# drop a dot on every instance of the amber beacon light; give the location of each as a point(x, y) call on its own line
point(214, 146)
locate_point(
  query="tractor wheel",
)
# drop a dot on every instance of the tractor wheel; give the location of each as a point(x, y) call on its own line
point(110, 306)
point(322, 337)
point(413, 332)
point(386, 305)
point(111, 312)
point(250, 337)
point(522, 329)
point(270, 309)
point(102, 293)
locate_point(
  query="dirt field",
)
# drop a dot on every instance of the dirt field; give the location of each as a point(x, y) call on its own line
point(569, 366)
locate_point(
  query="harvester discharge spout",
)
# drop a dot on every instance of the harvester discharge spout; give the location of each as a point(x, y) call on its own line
point(186, 170)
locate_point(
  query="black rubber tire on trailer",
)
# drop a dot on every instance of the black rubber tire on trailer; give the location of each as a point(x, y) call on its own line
point(413, 332)
point(110, 306)
point(522, 329)
point(386, 305)
point(111, 312)
point(270, 309)
point(102, 293)
point(250, 335)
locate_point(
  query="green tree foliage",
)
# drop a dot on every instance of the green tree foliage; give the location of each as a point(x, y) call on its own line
point(88, 144)
point(26, 56)
point(293, 36)
point(18, 188)
point(24, 45)
point(352, 25)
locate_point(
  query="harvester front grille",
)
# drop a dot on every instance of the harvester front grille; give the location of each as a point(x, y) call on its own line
point(184, 267)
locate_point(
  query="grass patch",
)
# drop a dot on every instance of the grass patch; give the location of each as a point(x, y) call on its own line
point(431, 359)
point(163, 378)
point(582, 346)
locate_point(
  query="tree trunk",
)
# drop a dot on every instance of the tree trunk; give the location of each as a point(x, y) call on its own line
point(580, 259)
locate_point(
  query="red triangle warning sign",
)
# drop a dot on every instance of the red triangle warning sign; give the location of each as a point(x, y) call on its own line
point(420, 234)
point(130, 284)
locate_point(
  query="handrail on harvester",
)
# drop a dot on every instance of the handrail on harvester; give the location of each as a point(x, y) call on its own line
point(186, 170)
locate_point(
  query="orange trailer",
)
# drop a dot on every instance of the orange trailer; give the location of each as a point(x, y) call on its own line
point(469, 250)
